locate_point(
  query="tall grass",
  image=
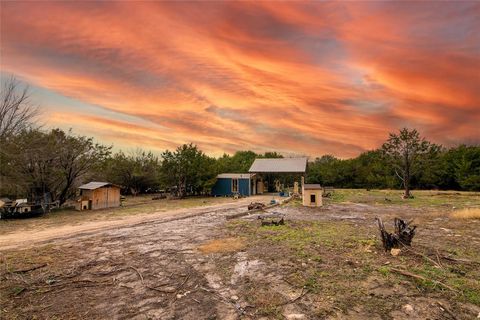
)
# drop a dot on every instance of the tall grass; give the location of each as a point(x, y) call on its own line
point(467, 213)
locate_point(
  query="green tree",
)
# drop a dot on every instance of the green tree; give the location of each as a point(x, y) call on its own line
point(270, 155)
point(405, 151)
point(137, 172)
point(53, 162)
point(324, 170)
point(187, 170)
point(241, 161)
point(77, 156)
point(462, 164)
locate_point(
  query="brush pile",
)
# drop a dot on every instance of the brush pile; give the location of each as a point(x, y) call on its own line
point(256, 206)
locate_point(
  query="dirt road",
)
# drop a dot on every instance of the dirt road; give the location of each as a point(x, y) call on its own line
point(127, 269)
point(43, 235)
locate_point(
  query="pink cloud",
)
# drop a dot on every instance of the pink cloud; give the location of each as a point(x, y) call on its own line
point(308, 78)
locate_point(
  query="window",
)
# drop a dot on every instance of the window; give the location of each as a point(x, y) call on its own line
point(234, 185)
point(312, 198)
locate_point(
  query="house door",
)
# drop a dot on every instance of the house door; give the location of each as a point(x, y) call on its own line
point(313, 198)
point(259, 187)
point(89, 204)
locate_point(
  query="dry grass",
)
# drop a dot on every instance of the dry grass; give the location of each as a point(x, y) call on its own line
point(467, 213)
point(222, 245)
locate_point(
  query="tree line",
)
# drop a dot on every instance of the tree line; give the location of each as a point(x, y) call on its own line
point(35, 162)
point(456, 168)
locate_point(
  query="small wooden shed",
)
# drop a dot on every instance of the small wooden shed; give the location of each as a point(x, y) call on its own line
point(312, 195)
point(98, 195)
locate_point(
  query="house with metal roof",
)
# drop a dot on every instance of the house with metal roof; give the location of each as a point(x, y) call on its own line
point(230, 184)
point(279, 165)
point(98, 195)
point(265, 175)
point(278, 174)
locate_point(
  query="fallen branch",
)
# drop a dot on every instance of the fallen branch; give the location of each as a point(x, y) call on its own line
point(423, 256)
point(30, 269)
point(246, 213)
point(460, 260)
point(418, 277)
point(447, 310)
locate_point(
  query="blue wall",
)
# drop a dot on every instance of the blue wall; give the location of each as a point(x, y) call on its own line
point(223, 187)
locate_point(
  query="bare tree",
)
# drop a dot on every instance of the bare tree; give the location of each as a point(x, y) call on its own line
point(16, 110)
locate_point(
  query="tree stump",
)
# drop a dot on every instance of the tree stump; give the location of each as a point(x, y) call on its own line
point(402, 235)
point(272, 219)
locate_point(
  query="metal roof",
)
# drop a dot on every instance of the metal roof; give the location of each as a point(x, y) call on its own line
point(234, 176)
point(312, 186)
point(286, 165)
point(95, 185)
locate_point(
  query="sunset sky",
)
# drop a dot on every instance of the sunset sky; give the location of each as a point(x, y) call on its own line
point(294, 77)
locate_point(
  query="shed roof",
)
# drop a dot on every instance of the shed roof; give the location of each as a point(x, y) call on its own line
point(234, 176)
point(95, 185)
point(286, 165)
point(312, 186)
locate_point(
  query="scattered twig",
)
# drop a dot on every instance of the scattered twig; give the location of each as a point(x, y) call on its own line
point(438, 258)
point(75, 283)
point(181, 285)
point(424, 256)
point(301, 295)
point(447, 310)
point(184, 281)
point(20, 291)
point(460, 260)
point(157, 289)
point(30, 269)
point(138, 272)
point(416, 276)
point(46, 307)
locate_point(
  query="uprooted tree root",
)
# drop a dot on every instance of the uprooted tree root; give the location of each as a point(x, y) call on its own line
point(402, 235)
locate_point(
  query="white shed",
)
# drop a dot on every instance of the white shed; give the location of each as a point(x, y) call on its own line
point(312, 195)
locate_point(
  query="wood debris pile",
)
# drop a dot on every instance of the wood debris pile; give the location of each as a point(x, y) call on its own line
point(256, 206)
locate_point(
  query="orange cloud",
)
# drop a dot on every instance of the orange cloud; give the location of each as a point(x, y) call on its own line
point(309, 78)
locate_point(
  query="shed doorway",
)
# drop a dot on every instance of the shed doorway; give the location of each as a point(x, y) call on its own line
point(313, 198)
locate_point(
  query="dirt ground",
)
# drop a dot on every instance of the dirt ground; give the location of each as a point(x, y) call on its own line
point(324, 263)
point(67, 221)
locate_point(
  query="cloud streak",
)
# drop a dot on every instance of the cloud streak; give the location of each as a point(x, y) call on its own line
point(305, 78)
